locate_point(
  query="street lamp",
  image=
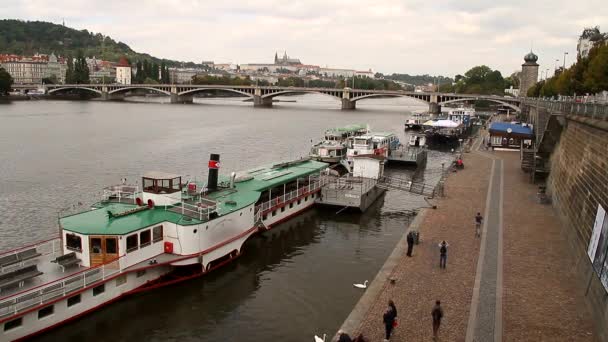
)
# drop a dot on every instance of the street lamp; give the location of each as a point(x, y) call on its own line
point(557, 60)
point(564, 66)
point(547, 74)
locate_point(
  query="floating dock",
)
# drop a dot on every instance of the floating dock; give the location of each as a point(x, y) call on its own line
point(350, 192)
point(408, 155)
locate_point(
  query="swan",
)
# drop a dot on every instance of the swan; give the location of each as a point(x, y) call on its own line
point(361, 286)
point(318, 339)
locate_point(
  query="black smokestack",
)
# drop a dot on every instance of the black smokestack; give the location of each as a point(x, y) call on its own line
point(214, 165)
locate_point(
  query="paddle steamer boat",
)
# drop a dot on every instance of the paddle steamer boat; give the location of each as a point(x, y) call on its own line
point(140, 239)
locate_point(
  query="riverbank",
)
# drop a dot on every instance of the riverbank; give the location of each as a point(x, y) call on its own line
point(514, 284)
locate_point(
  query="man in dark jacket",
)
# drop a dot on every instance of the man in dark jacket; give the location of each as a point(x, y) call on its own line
point(389, 319)
point(437, 315)
point(410, 243)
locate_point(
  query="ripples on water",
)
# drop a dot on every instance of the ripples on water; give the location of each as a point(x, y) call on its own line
point(291, 283)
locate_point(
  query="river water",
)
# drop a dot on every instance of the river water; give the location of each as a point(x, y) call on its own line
point(292, 282)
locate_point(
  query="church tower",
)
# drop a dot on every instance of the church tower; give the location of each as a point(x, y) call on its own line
point(529, 73)
point(276, 58)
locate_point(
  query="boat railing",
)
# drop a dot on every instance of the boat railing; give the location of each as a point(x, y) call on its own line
point(46, 247)
point(121, 193)
point(200, 210)
point(62, 287)
point(315, 184)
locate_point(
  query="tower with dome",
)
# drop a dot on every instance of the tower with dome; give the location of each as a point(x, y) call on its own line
point(529, 73)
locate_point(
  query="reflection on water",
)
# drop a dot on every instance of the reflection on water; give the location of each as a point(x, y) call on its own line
point(291, 283)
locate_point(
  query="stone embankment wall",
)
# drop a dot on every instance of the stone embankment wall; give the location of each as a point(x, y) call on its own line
point(577, 184)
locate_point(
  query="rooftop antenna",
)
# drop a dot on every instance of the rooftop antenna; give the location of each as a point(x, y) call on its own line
point(63, 22)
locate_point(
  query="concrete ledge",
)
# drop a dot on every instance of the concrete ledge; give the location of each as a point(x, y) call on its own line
point(599, 124)
point(354, 320)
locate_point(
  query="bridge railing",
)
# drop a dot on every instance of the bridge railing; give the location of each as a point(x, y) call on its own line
point(598, 111)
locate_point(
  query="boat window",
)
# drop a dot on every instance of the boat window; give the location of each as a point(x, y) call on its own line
point(99, 289)
point(131, 243)
point(13, 324)
point(96, 245)
point(111, 246)
point(290, 205)
point(157, 233)
point(73, 242)
point(274, 213)
point(73, 300)
point(47, 311)
point(141, 273)
point(282, 209)
point(144, 238)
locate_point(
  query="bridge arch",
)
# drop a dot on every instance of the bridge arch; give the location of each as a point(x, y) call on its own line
point(338, 95)
point(124, 89)
point(420, 98)
point(504, 103)
point(54, 90)
point(198, 90)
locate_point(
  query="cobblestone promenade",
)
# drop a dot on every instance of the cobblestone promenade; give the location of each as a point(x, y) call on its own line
point(522, 288)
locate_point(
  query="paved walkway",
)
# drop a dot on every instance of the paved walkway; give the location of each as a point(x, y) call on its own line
point(521, 288)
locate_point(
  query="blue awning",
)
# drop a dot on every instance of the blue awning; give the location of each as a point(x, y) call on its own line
point(505, 127)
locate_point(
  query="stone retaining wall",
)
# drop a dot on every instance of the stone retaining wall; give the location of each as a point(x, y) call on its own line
point(577, 184)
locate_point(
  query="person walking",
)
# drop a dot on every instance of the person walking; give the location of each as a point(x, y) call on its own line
point(437, 314)
point(410, 243)
point(390, 317)
point(443, 254)
point(478, 222)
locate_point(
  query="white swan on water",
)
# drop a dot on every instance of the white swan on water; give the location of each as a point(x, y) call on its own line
point(361, 286)
point(318, 339)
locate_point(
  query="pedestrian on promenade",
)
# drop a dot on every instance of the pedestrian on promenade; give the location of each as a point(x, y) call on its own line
point(443, 253)
point(410, 243)
point(478, 221)
point(390, 317)
point(343, 337)
point(437, 314)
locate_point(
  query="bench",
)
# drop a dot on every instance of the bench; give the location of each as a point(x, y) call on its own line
point(66, 260)
point(19, 257)
point(18, 276)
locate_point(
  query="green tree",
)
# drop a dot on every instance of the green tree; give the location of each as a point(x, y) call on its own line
point(69, 73)
point(6, 81)
point(596, 75)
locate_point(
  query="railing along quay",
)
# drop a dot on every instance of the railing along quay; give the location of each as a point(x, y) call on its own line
point(598, 111)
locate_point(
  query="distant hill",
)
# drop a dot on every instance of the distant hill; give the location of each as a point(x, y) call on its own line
point(29, 37)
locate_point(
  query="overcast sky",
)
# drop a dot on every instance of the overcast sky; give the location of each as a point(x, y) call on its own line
point(436, 37)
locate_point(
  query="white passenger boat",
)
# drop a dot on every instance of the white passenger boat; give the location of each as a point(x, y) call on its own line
point(333, 147)
point(417, 140)
point(379, 143)
point(140, 239)
point(416, 120)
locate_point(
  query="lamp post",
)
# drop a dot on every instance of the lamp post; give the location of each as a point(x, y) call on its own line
point(541, 75)
point(557, 60)
point(564, 66)
point(547, 73)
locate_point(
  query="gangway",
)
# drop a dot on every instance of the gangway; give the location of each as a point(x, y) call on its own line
point(418, 188)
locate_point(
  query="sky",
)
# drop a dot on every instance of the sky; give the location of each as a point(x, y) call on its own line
point(444, 37)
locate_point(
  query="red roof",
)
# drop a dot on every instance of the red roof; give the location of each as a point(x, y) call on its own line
point(123, 62)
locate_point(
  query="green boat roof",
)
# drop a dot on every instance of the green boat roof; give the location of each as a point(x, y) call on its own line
point(98, 222)
point(348, 128)
point(245, 193)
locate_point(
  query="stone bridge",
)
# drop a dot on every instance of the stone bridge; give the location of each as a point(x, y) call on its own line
point(262, 96)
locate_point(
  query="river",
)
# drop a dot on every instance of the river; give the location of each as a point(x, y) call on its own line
point(292, 282)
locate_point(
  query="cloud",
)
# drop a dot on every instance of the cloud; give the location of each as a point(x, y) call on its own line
point(411, 36)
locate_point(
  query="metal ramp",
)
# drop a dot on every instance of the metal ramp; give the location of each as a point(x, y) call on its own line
point(419, 188)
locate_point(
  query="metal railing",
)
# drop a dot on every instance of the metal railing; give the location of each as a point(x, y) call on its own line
point(314, 185)
point(598, 111)
point(201, 210)
point(45, 247)
point(121, 193)
point(62, 287)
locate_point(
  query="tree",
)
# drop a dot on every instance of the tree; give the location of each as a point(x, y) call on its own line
point(69, 73)
point(6, 81)
point(596, 75)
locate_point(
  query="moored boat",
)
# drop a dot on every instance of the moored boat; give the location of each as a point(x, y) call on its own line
point(416, 120)
point(373, 143)
point(333, 147)
point(138, 239)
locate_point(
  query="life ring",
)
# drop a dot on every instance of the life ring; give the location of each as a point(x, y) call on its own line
point(150, 203)
point(139, 201)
